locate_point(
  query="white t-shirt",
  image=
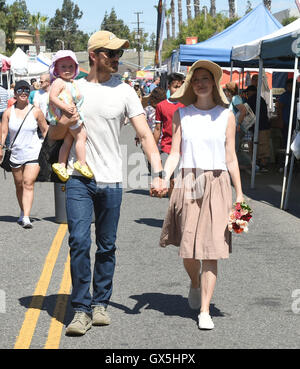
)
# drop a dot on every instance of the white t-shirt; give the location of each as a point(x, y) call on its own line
point(105, 107)
point(41, 98)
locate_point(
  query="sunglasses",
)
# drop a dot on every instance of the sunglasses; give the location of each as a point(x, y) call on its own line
point(112, 53)
point(20, 90)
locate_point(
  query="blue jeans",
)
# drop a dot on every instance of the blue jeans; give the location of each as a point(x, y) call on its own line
point(83, 196)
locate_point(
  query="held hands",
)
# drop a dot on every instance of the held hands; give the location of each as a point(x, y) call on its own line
point(158, 187)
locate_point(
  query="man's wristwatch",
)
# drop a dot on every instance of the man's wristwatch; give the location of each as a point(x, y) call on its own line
point(161, 174)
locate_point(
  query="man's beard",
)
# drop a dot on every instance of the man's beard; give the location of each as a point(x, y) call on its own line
point(112, 68)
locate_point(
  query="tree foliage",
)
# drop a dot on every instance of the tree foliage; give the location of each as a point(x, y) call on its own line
point(64, 26)
point(202, 27)
point(113, 24)
point(12, 18)
point(288, 20)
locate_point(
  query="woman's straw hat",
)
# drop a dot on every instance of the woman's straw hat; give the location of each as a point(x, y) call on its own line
point(185, 93)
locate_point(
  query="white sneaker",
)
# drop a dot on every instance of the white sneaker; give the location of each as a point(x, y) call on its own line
point(26, 223)
point(194, 298)
point(205, 321)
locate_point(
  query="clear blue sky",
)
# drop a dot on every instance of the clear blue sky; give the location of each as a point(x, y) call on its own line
point(94, 10)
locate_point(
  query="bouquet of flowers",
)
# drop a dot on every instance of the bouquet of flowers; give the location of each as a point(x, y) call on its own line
point(240, 217)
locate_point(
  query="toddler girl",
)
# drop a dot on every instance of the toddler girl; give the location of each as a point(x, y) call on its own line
point(65, 98)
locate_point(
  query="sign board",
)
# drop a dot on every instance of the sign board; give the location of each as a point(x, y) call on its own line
point(191, 40)
point(2, 42)
point(144, 74)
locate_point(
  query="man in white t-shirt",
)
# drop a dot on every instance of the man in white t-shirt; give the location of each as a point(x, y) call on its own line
point(107, 102)
point(41, 97)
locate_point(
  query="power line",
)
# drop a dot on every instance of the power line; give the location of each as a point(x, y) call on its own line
point(139, 35)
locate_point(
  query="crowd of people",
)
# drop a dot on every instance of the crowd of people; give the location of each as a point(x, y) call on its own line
point(273, 126)
point(190, 139)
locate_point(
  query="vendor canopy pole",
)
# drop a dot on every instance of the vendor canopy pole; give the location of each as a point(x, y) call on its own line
point(231, 70)
point(256, 127)
point(288, 144)
point(286, 201)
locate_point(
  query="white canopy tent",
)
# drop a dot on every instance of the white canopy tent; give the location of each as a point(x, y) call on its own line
point(279, 49)
point(25, 68)
point(251, 51)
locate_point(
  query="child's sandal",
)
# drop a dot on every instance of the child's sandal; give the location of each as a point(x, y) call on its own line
point(84, 170)
point(60, 171)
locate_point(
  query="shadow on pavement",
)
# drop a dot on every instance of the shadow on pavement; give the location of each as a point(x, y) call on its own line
point(152, 222)
point(50, 219)
point(268, 188)
point(12, 219)
point(8, 219)
point(139, 192)
point(48, 303)
point(170, 305)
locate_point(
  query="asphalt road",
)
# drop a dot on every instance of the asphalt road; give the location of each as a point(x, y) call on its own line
point(256, 302)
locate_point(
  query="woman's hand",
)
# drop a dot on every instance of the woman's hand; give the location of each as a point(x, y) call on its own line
point(240, 198)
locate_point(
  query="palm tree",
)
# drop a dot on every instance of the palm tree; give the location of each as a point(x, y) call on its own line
point(173, 18)
point(36, 22)
point(179, 13)
point(188, 9)
point(231, 4)
point(168, 15)
point(213, 8)
point(268, 4)
point(197, 7)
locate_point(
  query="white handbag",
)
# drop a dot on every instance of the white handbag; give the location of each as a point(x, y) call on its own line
point(295, 146)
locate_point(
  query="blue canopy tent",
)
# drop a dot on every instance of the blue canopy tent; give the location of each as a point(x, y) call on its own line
point(255, 24)
point(286, 47)
point(279, 49)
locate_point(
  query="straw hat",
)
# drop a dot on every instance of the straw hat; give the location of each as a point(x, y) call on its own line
point(185, 93)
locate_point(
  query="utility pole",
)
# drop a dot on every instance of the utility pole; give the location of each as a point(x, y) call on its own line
point(138, 37)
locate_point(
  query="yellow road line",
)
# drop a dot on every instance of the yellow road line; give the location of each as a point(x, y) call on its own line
point(32, 315)
point(56, 326)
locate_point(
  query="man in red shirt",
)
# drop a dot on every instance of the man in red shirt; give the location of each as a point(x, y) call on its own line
point(163, 119)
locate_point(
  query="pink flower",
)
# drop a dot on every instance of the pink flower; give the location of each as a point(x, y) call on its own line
point(237, 215)
point(238, 206)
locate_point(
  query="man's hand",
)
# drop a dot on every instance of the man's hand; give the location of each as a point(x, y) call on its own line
point(70, 110)
point(59, 131)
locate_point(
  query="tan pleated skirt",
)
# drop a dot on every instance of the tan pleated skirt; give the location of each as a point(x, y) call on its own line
point(198, 214)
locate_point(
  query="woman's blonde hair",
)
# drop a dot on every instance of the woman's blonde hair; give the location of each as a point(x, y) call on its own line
point(232, 88)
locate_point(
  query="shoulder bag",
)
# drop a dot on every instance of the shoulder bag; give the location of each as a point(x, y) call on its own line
point(6, 160)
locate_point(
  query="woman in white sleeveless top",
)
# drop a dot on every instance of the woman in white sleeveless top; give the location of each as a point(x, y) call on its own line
point(198, 214)
point(26, 148)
